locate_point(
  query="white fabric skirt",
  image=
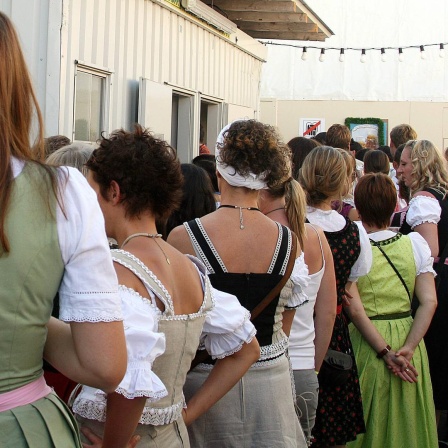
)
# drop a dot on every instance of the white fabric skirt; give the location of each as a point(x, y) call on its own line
point(257, 413)
point(173, 435)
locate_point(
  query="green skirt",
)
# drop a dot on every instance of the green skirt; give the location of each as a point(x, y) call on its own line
point(397, 414)
point(46, 423)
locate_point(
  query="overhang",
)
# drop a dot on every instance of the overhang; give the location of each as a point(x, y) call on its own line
point(273, 19)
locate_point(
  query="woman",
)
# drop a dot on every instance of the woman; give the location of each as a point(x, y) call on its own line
point(313, 322)
point(326, 178)
point(246, 254)
point(423, 170)
point(397, 410)
point(300, 148)
point(138, 179)
point(51, 235)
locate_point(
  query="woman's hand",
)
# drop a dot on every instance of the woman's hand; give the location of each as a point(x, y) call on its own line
point(400, 366)
point(97, 442)
point(405, 351)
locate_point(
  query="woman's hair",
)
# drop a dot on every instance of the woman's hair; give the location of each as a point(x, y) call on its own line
point(361, 154)
point(323, 175)
point(350, 164)
point(387, 151)
point(295, 201)
point(145, 168)
point(75, 155)
point(19, 114)
point(428, 166)
point(251, 146)
point(375, 199)
point(376, 161)
point(55, 142)
point(208, 163)
point(198, 197)
point(300, 148)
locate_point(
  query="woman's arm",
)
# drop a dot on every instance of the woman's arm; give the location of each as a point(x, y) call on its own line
point(325, 307)
point(287, 319)
point(123, 416)
point(89, 353)
point(426, 293)
point(225, 374)
point(399, 365)
point(429, 232)
point(423, 215)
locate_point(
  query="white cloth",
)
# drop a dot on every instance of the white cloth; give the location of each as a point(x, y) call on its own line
point(301, 339)
point(332, 221)
point(231, 176)
point(89, 287)
point(423, 209)
point(420, 248)
point(227, 326)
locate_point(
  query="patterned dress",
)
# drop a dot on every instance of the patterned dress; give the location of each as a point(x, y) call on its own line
point(339, 414)
point(397, 413)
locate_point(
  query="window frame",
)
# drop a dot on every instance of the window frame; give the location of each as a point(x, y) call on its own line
point(106, 76)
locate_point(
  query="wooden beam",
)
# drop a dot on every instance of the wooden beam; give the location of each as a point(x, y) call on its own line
point(287, 35)
point(262, 16)
point(251, 5)
point(247, 27)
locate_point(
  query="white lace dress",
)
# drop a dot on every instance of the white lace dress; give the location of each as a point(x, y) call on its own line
point(161, 346)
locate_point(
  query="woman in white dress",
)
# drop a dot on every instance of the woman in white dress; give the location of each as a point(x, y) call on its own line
point(168, 304)
point(423, 169)
point(313, 322)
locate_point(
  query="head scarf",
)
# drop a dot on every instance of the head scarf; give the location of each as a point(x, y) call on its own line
point(230, 174)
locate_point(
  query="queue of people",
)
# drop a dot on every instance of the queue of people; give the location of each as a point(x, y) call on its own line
point(285, 312)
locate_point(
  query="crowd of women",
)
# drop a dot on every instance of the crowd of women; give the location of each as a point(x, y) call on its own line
point(270, 320)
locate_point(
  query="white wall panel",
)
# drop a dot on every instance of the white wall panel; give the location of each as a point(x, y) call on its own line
point(38, 26)
point(140, 38)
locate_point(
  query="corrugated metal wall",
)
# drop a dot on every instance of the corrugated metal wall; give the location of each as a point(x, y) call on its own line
point(140, 38)
point(38, 25)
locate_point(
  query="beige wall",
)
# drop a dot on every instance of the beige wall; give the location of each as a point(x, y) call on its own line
point(430, 120)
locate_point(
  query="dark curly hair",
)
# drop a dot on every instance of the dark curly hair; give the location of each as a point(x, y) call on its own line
point(146, 169)
point(251, 146)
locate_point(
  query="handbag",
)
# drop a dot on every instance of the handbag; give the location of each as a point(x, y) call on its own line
point(202, 355)
point(335, 369)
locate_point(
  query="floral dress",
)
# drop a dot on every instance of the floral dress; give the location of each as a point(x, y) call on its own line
point(339, 414)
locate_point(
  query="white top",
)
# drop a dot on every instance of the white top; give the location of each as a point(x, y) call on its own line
point(423, 209)
point(420, 248)
point(89, 287)
point(332, 221)
point(226, 328)
point(301, 339)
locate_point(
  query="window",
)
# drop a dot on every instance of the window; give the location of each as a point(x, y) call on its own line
point(91, 103)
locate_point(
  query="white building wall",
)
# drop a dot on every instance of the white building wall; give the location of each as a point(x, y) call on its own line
point(38, 25)
point(142, 38)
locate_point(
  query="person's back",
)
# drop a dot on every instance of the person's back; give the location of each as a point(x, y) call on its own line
point(26, 300)
point(44, 214)
point(246, 254)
